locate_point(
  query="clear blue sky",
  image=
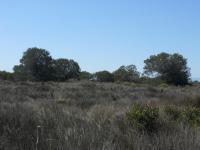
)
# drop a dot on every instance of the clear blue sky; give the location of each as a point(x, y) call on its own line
point(100, 34)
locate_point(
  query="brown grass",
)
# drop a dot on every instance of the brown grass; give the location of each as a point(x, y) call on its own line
point(88, 115)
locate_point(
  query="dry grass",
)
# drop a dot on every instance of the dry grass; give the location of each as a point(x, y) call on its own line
point(88, 115)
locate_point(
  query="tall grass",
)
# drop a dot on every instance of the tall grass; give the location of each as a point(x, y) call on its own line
point(89, 115)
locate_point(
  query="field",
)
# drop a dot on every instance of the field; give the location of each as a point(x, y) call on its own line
point(84, 115)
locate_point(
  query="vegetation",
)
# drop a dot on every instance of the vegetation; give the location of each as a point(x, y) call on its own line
point(38, 65)
point(6, 75)
point(113, 111)
point(84, 75)
point(170, 67)
point(144, 117)
point(104, 76)
point(65, 69)
point(127, 73)
point(95, 115)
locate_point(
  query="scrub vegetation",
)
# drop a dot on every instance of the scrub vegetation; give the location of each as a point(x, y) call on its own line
point(98, 115)
point(50, 104)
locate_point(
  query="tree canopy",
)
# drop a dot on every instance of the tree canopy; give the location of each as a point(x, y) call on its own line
point(104, 76)
point(66, 69)
point(37, 65)
point(126, 73)
point(170, 67)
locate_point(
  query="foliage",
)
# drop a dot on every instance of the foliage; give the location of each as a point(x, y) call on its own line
point(104, 76)
point(170, 67)
point(84, 112)
point(20, 73)
point(127, 73)
point(173, 112)
point(36, 63)
point(84, 75)
point(190, 115)
point(6, 75)
point(65, 69)
point(143, 117)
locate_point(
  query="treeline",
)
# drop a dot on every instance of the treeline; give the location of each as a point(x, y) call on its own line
point(38, 65)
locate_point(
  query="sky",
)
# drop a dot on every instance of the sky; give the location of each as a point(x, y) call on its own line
point(100, 34)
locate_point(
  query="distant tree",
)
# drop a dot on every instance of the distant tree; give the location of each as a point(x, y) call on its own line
point(104, 76)
point(36, 63)
point(84, 75)
point(170, 67)
point(4, 75)
point(20, 73)
point(127, 73)
point(66, 69)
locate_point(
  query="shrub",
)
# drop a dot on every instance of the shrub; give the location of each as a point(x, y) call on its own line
point(143, 117)
point(192, 116)
point(189, 115)
point(84, 75)
point(104, 76)
point(6, 75)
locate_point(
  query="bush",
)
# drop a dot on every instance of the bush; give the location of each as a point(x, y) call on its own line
point(104, 76)
point(6, 75)
point(144, 117)
point(84, 75)
point(189, 115)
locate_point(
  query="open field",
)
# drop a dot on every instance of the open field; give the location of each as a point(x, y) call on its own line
point(98, 116)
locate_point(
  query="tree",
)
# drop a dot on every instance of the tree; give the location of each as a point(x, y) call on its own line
point(84, 75)
point(36, 63)
point(170, 67)
point(20, 73)
point(104, 76)
point(4, 75)
point(66, 69)
point(127, 73)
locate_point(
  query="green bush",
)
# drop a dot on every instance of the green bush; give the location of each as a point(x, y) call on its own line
point(192, 116)
point(143, 117)
point(189, 115)
point(104, 76)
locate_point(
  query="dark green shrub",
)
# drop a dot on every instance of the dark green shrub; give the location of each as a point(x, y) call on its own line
point(6, 75)
point(192, 116)
point(143, 117)
point(104, 76)
point(84, 75)
point(188, 115)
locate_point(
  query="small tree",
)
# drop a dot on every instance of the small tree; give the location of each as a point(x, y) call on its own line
point(171, 68)
point(20, 73)
point(66, 69)
point(127, 73)
point(84, 75)
point(4, 75)
point(104, 76)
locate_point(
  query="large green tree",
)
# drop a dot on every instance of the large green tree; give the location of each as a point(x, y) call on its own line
point(65, 69)
point(36, 65)
point(127, 73)
point(170, 67)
